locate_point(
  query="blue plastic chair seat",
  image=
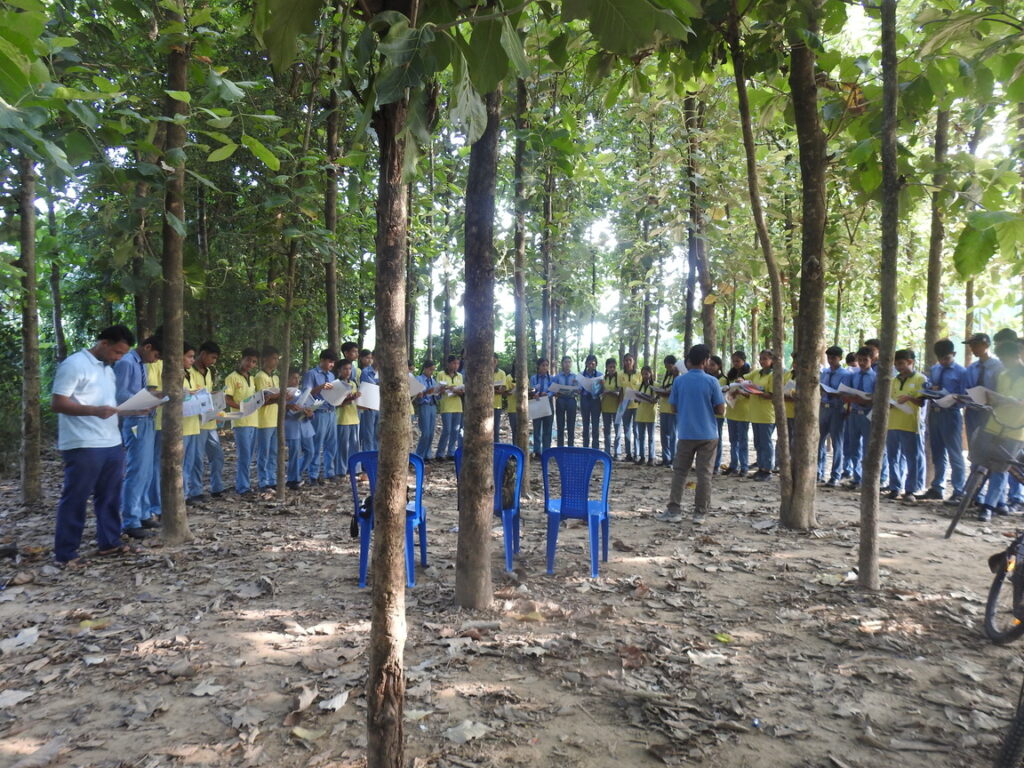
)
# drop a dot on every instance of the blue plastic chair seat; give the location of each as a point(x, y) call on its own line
point(575, 468)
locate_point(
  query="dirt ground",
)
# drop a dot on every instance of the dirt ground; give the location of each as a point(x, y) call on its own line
point(731, 643)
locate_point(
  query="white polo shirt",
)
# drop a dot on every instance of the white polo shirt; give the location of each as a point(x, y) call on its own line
point(88, 381)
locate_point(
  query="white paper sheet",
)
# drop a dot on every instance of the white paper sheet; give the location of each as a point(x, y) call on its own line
point(416, 386)
point(252, 404)
point(304, 398)
point(828, 389)
point(845, 390)
point(556, 389)
point(197, 404)
point(369, 396)
point(142, 400)
point(980, 395)
point(590, 385)
point(336, 394)
point(790, 387)
point(905, 407)
point(946, 402)
point(539, 408)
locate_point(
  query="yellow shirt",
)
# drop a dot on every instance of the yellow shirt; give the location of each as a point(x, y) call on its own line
point(645, 410)
point(630, 381)
point(723, 382)
point(912, 385)
point(501, 379)
point(761, 410)
point(1007, 421)
point(205, 381)
point(449, 403)
point(241, 389)
point(790, 405)
point(190, 424)
point(610, 404)
point(666, 383)
point(155, 378)
point(348, 414)
point(740, 410)
point(266, 417)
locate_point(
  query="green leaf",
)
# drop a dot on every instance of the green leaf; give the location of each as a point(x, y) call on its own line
point(488, 62)
point(557, 49)
point(405, 66)
point(176, 224)
point(621, 26)
point(279, 23)
point(268, 158)
point(468, 112)
point(513, 46)
point(222, 153)
point(973, 250)
point(184, 96)
point(1010, 236)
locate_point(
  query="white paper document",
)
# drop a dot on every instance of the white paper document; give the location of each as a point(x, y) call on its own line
point(197, 404)
point(790, 387)
point(845, 390)
point(142, 400)
point(336, 394)
point(905, 407)
point(828, 389)
point(557, 389)
point(252, 404)
point(588, 384)
point(416, 386)
point(980, 395)
point(369, 396)
point(539, 408)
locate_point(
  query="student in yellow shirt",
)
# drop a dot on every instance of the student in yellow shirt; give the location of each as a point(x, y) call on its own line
point(737, 418)
point(667, 414)
point(902, 441)
point(209, 437)
point(190, 427)
point(151, 506)
point(629, 379)
point(761, 413)
point(645, 413)
point(239, 386)
point(714, 368)
point(348, 417)
point(266, 424)
point(450, 409)
point(789, 403)
point(611, 393)
point(502, 386)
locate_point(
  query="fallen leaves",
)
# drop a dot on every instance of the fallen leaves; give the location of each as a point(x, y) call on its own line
point(465, 731)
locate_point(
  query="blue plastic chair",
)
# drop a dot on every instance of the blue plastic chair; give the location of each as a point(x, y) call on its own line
point(575, 468)
point(415, 515)
point(503, 453)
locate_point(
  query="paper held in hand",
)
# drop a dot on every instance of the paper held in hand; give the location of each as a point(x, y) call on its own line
point(198, 404)
point(336, 394)
point(252, 404)
point(416, 386)
point(591, 385)
point(369, 396)
point(539, 408)
point(142, 400)
point(558, 389)
point(905, 407)
point(845, 390)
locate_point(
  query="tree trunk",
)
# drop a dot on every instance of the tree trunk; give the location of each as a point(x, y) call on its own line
point(59, 341)
point(31, 431)
point(809, 328)
point(775, 278)
point(281, 471)
point(933, 310)
point(839, 313)
point(868, 577)
point(173, 516)
point(968, 319)
point(385, 686)
point(331, 202)
point(545, 249)
point(473, 587)
point(410, 282)
point(446, 320)
point(521, 375)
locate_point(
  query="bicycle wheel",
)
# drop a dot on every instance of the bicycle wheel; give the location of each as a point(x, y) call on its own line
point(978, 475)
point(1012, 752)
point(1001, 626)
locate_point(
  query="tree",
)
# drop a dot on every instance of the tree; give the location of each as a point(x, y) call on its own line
point(31, 437)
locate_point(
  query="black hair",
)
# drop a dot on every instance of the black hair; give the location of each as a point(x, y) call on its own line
point(834, 352)
point(697, 355)
point(904, 354)
point(269, 351)
point(154, 343)
point(115, 334)
point(328, 354)
point(610, 361)
point(1004, 334)
point(670, 360)
point(250, 352)
point(293, 371)
point(210, 346)
point(717, 361)
point(428, 363)
point(873, 343)
point(342, 361)
point(944, 347)
point(364, 352)
point(589, 358)
point(541, 360)
point(348, 345)
point(452, 359)
point(864, 351)
point(1008, 348)
point(851, 358)
point(740, 354)
point(188, 347)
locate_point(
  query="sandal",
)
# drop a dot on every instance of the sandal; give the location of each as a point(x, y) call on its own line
point(122, 549)
point(74, 564)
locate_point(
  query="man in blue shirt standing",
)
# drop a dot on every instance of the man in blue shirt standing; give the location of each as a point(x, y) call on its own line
point(369, 419)
point(946, 425)
point(698, 400)
point(565, 404)
point(325, 435)
point(137, 434)
point(832, 416)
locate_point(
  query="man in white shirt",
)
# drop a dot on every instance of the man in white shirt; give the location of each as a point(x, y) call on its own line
point(84, 399)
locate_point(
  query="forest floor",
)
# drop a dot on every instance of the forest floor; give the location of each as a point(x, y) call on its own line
point(731, 643)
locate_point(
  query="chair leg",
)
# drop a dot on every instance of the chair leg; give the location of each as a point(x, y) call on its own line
point(507, 534)
point(594, 525)
point(553, 522)
point(515, 529)
point(410, 554)
point(365, 528)
point(423, 541)
point(604, 539)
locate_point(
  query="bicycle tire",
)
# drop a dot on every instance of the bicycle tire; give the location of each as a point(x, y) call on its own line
point(1011, 754)
point(974, 482)
point(996, 635)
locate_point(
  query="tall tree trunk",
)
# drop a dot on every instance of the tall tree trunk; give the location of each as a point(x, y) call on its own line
point(868, 577)
point(331, 199)
point(546, 342)
point(410, 282)
point(285, 364)
point(446, 320)
point(775, 277)
point(521, 375)
point(430, 312)
point(173, 516)
point(968, 319)
point(56, 301)
point(385, 686)
point(473, 587)
point(31, 432)
point(691, 287)
point(839, 312)
point(933, 310)
point(809, 328)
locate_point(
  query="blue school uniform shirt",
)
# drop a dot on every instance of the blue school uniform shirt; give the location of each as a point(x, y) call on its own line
point(429, 382)
point(833, 379)
point(695, 395)
point(296, 425)
point(589, 375)
point(567, 380)
point(865, 382)
point(368, 375)
point(983, 373)
point(317, 377)
point(540, 383)
point(952, 378)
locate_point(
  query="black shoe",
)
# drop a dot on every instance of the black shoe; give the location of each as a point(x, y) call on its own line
point(139, 533)
point(1003, 511)
point(892, 495)
point(216, 494)
point(932, 494)
point(984, 515)
point(832, 484)
point(292, 485)
point(150, 522)
point(763, 476)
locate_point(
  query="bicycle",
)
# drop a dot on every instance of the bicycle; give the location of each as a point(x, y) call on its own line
point(979, 474)
point(1012, 752)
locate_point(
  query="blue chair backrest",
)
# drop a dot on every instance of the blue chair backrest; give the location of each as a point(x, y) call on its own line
point(368, 461)
point(575, 468)
point(503, 452)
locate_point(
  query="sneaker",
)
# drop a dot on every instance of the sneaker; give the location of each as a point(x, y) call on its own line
point(932, 494)
point(292, 485)
point(954, 500)
point(832, 484)
point(151, 522)
point(698, 518)
point(846, 476)
point(728, 471)
point(909, 497)
point(763, 476)
point(1003, 511)
point(668, 516)
point(139, 533)
point(851, 486)
point(216, 494)
point(892, 495)
point(984, 515)
point(650, 462)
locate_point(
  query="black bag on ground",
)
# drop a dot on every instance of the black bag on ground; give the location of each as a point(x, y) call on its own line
point(365, 511)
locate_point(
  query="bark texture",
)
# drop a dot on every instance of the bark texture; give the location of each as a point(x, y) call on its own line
point(31, 434)
point(522, 433)
point(933, 309)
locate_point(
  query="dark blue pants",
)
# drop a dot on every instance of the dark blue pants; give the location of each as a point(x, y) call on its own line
point(95, 472)
point(565, 416)
point(590, 409)
point(831, 420)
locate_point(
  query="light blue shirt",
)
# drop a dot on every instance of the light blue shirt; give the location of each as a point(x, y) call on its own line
point(130, 373)
point(567, 380)
point(694, 396)
point(952, 378)
point(865, 382)
point(317, 377)
point(429, 383)
point(89, 381)
point(833, 379)
point(986, 375)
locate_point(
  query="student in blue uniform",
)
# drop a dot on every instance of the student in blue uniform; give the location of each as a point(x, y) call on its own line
point(298, 435)
point(426, 409)
point(369, 418)
point(859, 419)
point(832, 416)
point(590, 406)
point(540, 384)
point(325, 438)
point(565, 404)
point(946, 425)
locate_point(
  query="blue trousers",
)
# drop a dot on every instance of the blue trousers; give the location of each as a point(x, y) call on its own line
point(542, 434)
point(763, 446)
point(245, 444)
point(451, 435)
point(95, 472)
point(718, 451)
point(565, 416)
point(831, 420)
point(667, 424)
point(211, 450)
point(945, 436)
point(497, 424)
point(628, 416)
point(348, 445)
point(191, 457)
point(139, 444)
point(590, 410)
point(645, 436)
point(324, 443)
point(611, 443)
point(427, 415)
point(739, 450)
point(903, 451)
point(266, 456)
point(996, 492)
point(368, 421)
point(1014, 491)
point(300, 454)
point(513, 420)
point(151, 504)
